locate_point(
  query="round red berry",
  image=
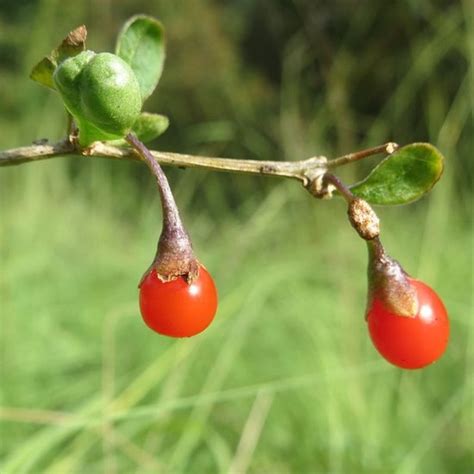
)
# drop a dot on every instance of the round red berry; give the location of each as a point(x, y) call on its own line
point(410, 342)
point(176, 308)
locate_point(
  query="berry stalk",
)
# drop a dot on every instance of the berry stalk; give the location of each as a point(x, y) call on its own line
point(389, 283)
point(386, 148)
point(174, 256)
point(361, 215)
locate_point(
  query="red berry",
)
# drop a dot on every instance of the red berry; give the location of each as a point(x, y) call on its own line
point(410, 343)
point(176, 308)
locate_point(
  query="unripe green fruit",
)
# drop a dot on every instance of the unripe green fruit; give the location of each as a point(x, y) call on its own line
point(67, 80)
point(101, 92)
point(110, 93)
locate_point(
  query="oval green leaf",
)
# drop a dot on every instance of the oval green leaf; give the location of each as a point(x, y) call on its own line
point(146, 128)
point(89, 133)
point(402, 177)
point(150, 126)
point(141, 43)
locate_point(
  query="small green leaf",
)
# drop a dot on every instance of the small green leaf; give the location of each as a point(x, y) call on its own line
point(72, 45)
point(89, 133)
point(141, 43)
point(147, 128)
point(43, 73)
point(402, 177)
point(150, 126)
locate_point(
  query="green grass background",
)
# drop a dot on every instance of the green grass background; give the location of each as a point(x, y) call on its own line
point(285, 380)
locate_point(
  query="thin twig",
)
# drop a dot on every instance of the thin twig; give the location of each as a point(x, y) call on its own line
point(170, 211)
point(340, 186)
point(302, 171)
point(386, 148)
point(306, 171)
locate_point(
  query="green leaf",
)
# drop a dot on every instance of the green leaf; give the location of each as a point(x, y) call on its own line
point(402, 177)
point(72, 45)
point(150, 126)
point(89, 133)
point(146, 128)
point(141, 43)
point(43, 73)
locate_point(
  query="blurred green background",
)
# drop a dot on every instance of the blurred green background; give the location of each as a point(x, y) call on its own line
point(286, 379)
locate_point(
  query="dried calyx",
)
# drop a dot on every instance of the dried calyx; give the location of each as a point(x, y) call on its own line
point(389, 283)
point(174, 255)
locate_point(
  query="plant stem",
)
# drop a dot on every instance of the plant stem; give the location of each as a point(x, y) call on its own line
point(376, 249)
point(303, 171)
point(308, 172)
point(340, 186)
point(174, 255)
point(170, 210)
point(387, 148)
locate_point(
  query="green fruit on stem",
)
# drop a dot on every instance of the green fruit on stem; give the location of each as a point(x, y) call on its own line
point(102, 94)
point(110, 94)
point(67, 80)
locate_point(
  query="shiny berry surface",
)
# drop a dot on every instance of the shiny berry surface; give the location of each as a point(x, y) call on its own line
point(411, 343)
point(176, 308)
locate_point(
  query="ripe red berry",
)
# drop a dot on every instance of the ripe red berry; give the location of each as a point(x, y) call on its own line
point(410, 343)
point(176, 308)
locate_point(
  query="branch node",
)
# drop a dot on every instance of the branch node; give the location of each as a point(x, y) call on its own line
point(314, 178)
point(320, 189)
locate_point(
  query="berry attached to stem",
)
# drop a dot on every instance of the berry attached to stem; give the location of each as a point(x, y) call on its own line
point(407, 321)
point(174, 256)
point(178, 297)
point(389, 282)
point(176, 308)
